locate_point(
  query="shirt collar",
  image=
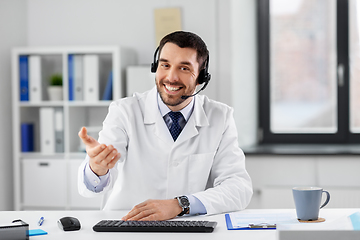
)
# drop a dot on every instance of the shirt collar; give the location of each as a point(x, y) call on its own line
point(186, 111)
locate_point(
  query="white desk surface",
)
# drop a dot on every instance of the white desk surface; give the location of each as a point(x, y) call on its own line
point(89, 218)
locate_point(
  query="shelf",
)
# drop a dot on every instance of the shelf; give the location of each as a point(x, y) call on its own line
point(65, 103)
point(87, 104)
point(54, 149)
point(42, 104)
point(39, 155)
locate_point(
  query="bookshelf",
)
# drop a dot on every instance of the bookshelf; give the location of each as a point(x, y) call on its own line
point(46, 148)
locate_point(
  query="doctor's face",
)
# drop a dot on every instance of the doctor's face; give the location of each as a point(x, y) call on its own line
point(176, 75)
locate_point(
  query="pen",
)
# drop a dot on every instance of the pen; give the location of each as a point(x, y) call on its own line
point(263, 225)
point(41, 221)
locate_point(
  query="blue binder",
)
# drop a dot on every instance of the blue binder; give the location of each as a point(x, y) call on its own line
point(27, 137)
point(107, 95)
point(24, 78)
point(71, 76)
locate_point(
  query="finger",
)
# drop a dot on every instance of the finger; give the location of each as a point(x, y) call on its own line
point(144, 215)
point(107, 155)
point(95, 151)
point(87, 140)
point(134, 211)
point(151, 217)
point(112, 163)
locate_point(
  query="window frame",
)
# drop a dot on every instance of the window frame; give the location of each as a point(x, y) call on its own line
point(343, 134)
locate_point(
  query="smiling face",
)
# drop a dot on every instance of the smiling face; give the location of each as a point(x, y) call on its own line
point(176, 75)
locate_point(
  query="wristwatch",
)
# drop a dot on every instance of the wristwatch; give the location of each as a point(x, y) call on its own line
point(184, 204)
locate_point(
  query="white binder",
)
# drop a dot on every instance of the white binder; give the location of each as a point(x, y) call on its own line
point(35, 89)
point(47, 130)
point(59, 130)
point(91, 78)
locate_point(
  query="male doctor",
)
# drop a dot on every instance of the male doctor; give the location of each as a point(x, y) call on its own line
point(165, 153)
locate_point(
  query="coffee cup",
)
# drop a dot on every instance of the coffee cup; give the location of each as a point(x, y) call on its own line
point(308, 202)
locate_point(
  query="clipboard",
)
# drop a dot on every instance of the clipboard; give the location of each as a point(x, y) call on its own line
point(230, 226)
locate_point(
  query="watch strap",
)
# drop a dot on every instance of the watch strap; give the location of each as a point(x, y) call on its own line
point(185, 210)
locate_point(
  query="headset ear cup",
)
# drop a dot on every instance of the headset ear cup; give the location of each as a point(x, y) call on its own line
point(154, 66)
point(201, 77)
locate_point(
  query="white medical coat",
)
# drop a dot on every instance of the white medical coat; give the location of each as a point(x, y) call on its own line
point(204, 161)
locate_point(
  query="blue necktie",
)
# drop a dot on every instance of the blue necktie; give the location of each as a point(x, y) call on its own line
point(175, 128)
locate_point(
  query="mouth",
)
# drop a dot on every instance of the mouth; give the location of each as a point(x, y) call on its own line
point(172, 89)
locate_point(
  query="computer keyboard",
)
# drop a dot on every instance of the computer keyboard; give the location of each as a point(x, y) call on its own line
point(154, 226)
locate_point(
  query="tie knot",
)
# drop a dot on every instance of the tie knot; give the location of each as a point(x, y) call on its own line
point(175, 116)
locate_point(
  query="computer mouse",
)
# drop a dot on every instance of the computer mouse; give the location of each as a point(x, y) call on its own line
point(69, 224)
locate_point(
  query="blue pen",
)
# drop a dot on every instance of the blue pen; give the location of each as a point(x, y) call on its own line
point(41, 221)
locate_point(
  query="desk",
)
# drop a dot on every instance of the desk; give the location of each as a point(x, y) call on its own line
point(90, 218)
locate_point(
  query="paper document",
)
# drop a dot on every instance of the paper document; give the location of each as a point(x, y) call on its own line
point(241, 220)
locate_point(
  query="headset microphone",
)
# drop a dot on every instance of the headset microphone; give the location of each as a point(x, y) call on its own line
point(186, 97)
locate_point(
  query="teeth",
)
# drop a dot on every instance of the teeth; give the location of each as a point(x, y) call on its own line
point(171, 88)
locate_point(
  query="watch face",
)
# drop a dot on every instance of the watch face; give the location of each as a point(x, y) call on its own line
point(184, 201)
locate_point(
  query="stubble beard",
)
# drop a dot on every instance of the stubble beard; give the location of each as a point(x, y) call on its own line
point(169, 99)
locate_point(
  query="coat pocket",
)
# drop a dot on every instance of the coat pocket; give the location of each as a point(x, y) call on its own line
point(199, 171)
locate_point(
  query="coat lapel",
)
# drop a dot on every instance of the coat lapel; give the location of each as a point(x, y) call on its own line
point(197, 119)
point(153, 118)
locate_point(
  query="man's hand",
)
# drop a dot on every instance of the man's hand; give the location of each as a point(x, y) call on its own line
point(154, 210)
point(102, 157)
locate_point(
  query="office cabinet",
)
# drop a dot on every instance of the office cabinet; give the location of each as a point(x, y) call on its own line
point(46, 146)
point(274, 176)
point(44, 183)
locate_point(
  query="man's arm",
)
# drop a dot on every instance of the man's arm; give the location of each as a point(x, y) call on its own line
point(94, 182)
point(157, 210)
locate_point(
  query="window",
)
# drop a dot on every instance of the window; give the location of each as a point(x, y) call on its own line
point(307, 91)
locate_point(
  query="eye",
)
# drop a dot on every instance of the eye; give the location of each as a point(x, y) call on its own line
point(184, 68)
point(165, 65)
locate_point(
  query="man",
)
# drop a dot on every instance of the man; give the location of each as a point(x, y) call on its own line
point(140, 156)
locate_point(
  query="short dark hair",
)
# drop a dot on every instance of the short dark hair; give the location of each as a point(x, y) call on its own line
point(188, 40)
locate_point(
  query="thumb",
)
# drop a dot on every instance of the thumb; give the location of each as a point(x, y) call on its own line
point(87, 140)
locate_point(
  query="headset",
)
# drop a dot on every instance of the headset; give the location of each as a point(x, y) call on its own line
point(204, 75)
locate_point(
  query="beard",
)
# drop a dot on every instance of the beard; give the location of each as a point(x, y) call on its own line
point(172, 100)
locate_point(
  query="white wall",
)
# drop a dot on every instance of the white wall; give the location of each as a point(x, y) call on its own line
point(13, 33)
point(125, 23)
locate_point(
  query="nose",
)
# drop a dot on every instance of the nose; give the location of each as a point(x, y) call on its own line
point(172, 75)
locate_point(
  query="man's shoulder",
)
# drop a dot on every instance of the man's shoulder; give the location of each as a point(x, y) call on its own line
point(135, 99)
point(213, 105)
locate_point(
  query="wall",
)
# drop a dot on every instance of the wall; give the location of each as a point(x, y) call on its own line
point(125, 23)
point(13, 33)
